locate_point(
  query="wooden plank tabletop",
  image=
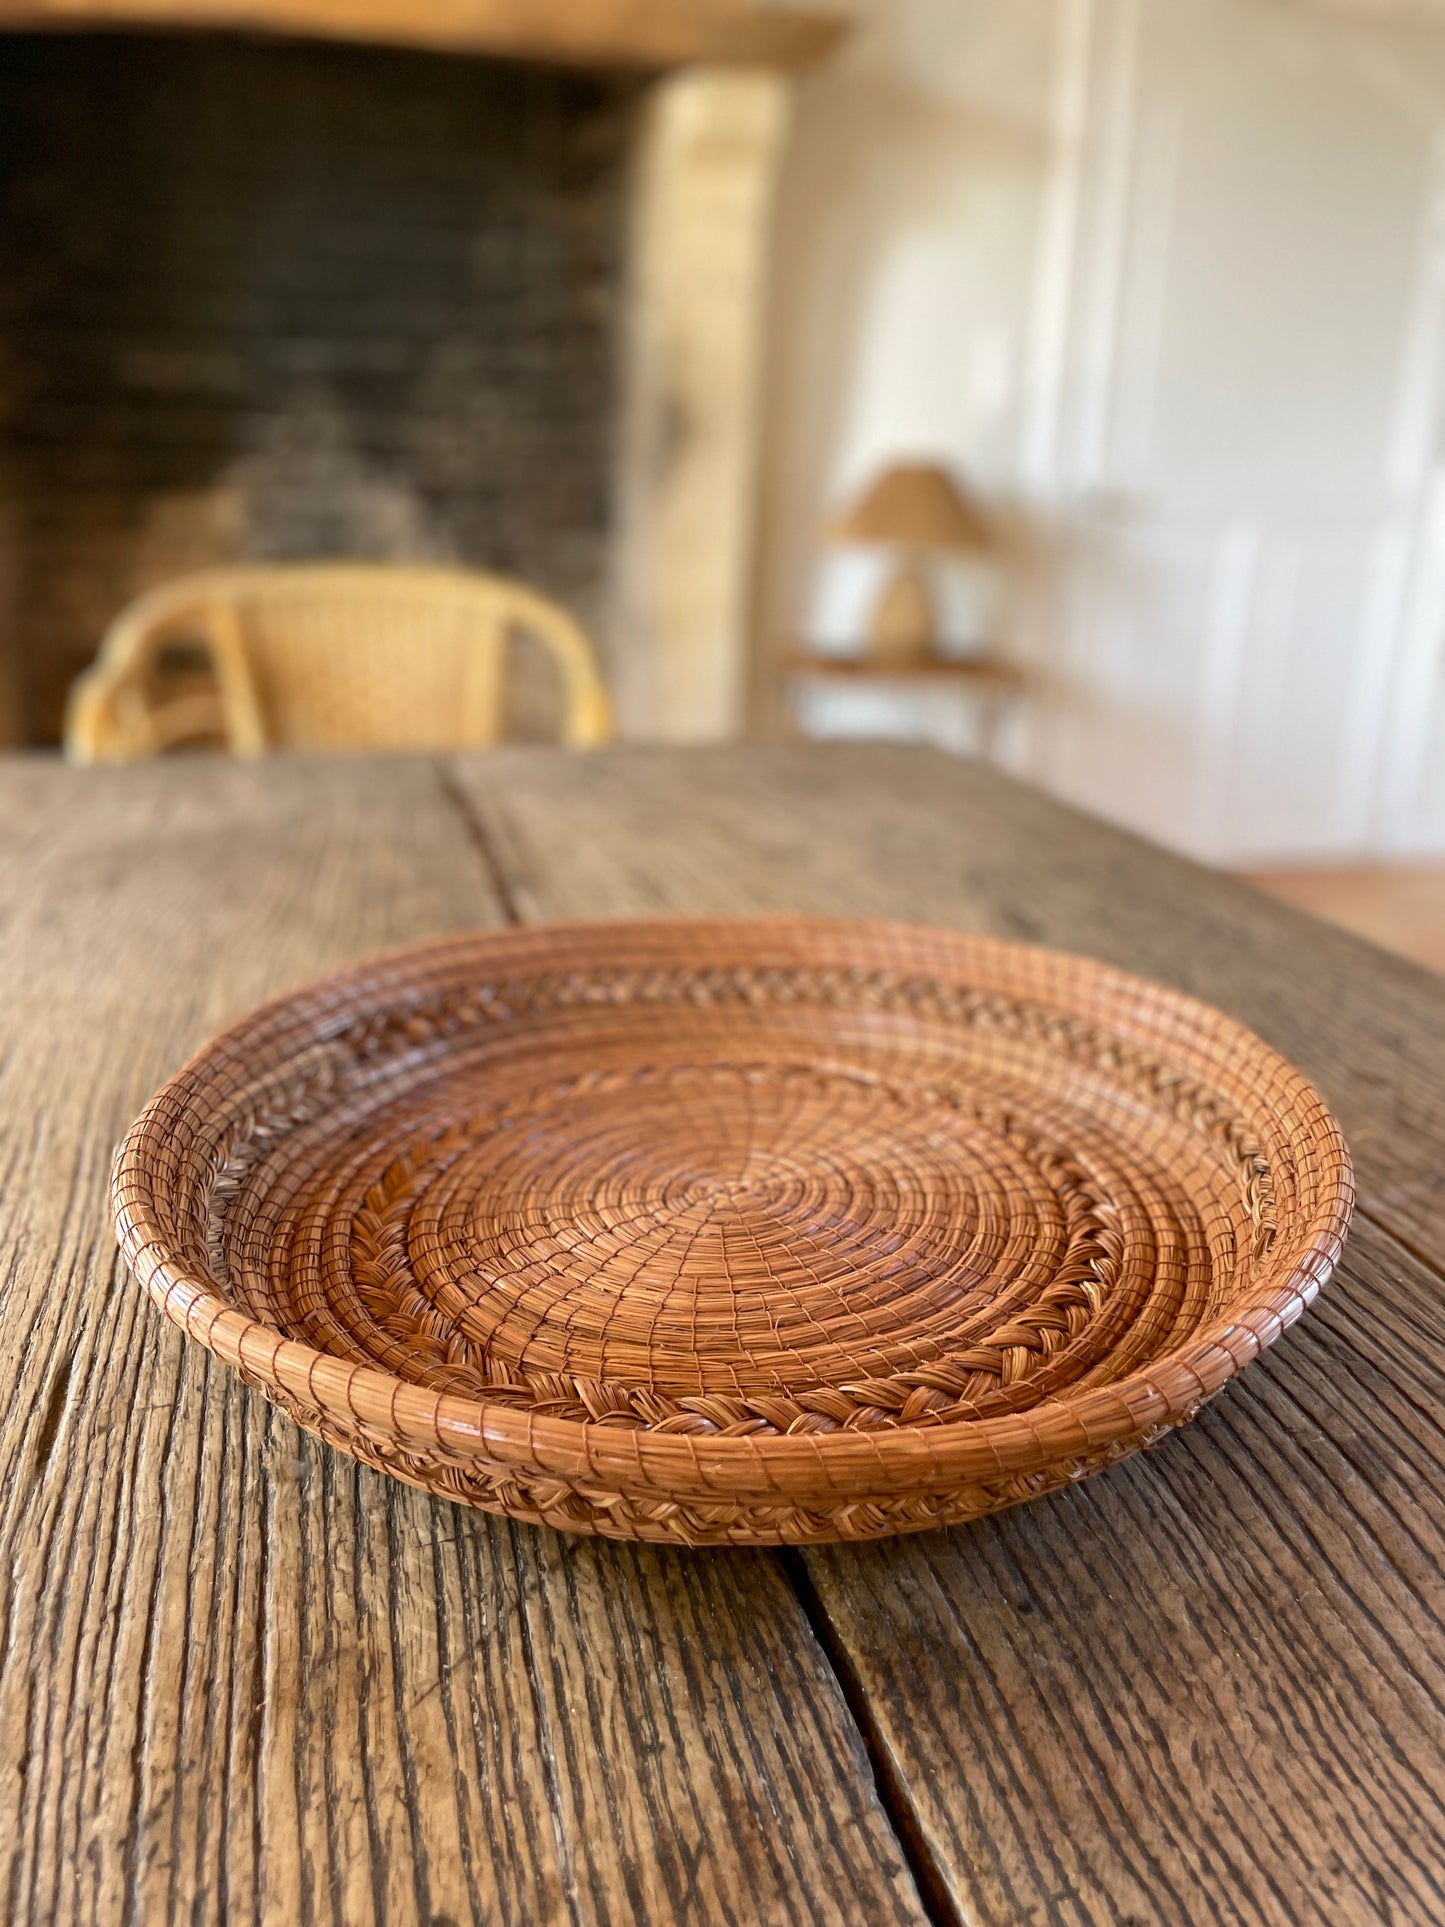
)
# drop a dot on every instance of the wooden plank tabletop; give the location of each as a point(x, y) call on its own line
point(242, 1678)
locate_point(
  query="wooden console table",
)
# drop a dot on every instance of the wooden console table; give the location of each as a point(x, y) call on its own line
point(987, 682)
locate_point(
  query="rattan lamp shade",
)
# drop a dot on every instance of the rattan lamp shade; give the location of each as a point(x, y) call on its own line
point(917, 505)
point(917, 508)
point(735, 1232)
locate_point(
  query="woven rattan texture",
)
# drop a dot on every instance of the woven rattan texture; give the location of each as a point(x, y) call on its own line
point(328, 656)
point(735, 1232)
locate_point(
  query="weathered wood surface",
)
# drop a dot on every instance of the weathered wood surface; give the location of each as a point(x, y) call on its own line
point(1209, 1686)
point(241, 1678)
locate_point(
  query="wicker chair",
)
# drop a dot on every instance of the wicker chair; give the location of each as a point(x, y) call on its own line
point(324, 656)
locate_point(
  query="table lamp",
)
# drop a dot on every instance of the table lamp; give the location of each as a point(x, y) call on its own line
point(918, 509)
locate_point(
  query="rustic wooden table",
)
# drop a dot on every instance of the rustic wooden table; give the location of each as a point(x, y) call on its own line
point(241, 1678)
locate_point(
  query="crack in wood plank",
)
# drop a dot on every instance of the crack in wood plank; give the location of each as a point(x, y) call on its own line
point(237, 1668)
point(1208, 1686)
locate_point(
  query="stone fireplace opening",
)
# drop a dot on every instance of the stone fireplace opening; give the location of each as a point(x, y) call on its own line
point(291, 297)
point(299, 300)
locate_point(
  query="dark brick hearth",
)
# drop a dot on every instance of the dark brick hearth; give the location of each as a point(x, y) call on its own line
point(280, 300)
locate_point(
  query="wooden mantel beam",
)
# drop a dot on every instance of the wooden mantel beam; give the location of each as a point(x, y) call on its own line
point(644, 33)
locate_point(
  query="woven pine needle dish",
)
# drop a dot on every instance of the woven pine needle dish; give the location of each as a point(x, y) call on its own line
point(735, 1232)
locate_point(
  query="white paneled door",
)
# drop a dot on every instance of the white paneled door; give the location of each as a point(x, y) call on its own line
point(1238, 620)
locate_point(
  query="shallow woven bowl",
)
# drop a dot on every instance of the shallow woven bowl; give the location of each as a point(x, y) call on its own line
point(735, 1232)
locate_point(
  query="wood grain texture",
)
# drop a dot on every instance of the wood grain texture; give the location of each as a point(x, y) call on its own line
point(1208, 1686)
point(242, 1678)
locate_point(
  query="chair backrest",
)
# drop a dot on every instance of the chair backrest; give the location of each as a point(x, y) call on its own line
point(330, 656)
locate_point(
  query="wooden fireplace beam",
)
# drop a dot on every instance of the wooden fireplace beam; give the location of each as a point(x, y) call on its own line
point(642, 33)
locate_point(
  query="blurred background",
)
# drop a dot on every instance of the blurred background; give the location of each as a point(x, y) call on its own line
point(1053, 380)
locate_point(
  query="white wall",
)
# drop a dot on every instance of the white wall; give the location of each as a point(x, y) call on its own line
point(1168, 276)
point(907, 237)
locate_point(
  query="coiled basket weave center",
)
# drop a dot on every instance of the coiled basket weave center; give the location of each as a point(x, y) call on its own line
point(749, 1232)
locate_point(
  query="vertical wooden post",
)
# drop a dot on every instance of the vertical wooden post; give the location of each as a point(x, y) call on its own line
point(697, 272)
